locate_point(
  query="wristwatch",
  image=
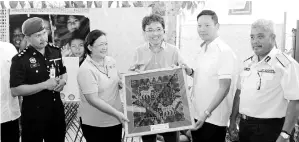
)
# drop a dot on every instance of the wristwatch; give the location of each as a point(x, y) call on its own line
point(285, 135)
point(207, 113)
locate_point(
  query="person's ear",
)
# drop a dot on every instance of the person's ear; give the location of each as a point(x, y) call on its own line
point(89, 48)
point(217, 26)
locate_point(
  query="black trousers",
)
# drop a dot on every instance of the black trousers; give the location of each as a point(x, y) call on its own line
point(43, 124)
point(10, 131)
point(260, 130)
point(209, 133)
point(168, 137)
point(102, 134)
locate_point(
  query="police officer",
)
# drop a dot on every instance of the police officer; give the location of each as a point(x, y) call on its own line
point(268, 98)
point(38, 74)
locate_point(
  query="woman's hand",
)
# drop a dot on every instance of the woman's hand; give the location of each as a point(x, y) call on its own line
point(122, 118)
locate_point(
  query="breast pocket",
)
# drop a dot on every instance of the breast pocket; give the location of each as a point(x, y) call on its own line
point(245, 82)
point(268, 80)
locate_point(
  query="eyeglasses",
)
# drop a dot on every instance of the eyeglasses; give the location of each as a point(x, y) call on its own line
point(152, 30)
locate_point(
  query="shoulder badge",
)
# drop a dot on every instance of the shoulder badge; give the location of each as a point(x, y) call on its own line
point(250, 58)
point(283, 59)
point(21, 53)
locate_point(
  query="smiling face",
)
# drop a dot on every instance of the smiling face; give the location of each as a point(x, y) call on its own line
point(99, 47)
point(261, 41)
point(154, 33)
point(73, 23)
point(17, 37)
point(77, 47)
point(206, 28)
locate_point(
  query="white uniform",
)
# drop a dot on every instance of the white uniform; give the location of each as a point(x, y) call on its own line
point(10, 109)
point(218, 62)
point(267, 85)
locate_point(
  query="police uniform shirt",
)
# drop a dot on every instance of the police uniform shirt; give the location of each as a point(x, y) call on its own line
point(267, 85)
point(31, 67)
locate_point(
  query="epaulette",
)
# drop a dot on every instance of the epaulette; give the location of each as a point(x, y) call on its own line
point(283, 59)
point(250, 58)
point(54, 46)
point(21, 53)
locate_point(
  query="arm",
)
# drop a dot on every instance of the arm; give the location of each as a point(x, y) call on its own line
point(290, 85)
point(224, 85)
point(226, 72)
point(88, 84)
point(291, 116)
point(101, 105)
point(236, 104)
point(181, 62)
point(27, 90)
point(18, 85)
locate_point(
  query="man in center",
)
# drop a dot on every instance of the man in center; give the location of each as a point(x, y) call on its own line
point(156, 54)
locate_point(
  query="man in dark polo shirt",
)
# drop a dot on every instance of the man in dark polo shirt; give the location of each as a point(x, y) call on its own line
point(38, 74)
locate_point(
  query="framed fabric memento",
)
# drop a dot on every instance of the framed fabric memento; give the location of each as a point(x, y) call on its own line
point(156, 101)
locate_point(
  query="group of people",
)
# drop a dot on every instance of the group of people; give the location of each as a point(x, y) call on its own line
point(264, 92)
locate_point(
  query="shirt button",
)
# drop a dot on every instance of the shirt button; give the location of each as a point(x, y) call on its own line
point(54, 99)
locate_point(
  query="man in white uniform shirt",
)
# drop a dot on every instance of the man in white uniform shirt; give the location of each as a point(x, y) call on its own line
point(214, 81)
point(10, 109)
point(268, 90)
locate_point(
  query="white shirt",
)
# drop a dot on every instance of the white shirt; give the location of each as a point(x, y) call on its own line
point(267, 85)
point(92, 79)
point(218, 62)
point(10, 109)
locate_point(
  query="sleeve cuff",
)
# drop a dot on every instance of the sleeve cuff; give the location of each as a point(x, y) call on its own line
point(89, 92)
point(292, 97)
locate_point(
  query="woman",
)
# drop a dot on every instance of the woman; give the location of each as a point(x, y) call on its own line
point(76, 47)
point(100, 109)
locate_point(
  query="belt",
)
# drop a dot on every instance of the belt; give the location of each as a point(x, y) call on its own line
point(249, 118)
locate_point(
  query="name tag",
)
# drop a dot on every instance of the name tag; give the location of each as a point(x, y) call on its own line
point(267, 71)
point(159, 127)
point(34, 65)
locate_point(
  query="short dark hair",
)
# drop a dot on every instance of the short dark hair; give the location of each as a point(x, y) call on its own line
point(147, 20)
point(91, 38)
point(76, 35)
point(211, 13)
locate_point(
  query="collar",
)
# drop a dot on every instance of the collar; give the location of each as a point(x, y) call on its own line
point(163, 45)
point(267, 59)
point(48, 51)
point(214, 41)
point(88, 58)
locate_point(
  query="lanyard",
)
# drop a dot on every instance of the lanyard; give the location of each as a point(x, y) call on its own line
point(96, 66)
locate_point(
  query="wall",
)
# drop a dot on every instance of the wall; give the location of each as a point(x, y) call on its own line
point(234, 29)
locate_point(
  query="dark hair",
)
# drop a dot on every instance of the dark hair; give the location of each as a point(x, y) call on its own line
point(76, 35)
point(147, 20)
point(211, 13)
point(91, 38)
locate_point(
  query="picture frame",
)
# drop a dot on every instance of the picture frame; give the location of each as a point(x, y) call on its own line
point(247, 10)
point(156, 101)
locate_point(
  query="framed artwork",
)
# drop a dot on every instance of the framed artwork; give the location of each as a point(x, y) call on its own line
point(156, 101)
point(247, 10)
